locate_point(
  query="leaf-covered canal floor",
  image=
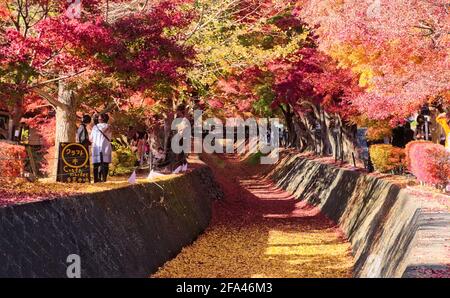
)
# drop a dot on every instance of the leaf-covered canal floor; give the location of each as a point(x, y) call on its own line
point(259, 230)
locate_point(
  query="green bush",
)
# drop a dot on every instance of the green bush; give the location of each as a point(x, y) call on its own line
point(254, 158)
point(123, 158)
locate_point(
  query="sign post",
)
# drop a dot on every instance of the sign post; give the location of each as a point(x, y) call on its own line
point(73, 163)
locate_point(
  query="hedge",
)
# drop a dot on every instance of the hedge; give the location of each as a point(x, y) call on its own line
point(12, 160)
point(386, 158)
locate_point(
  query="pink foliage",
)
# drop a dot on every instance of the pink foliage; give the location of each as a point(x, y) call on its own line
point(409, 148)
point(311, 75)
point(57, 44)
point(3, 12)
point(143, 53)
point(135, 46)
point(306, 75)
point(236, 93)
point(429, 162)
point(407, 43)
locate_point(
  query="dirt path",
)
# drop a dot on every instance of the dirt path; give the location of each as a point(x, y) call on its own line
point(259, 230)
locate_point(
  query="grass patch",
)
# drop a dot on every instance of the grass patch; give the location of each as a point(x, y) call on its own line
point(254, 158)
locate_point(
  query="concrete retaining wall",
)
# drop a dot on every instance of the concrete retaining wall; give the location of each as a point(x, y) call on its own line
point(393, 232)
point(126, 232)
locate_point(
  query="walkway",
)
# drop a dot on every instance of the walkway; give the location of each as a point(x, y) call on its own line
point(259, 230)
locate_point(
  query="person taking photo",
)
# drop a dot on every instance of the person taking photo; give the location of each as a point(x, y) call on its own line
point(82, 132)
point(101, 148)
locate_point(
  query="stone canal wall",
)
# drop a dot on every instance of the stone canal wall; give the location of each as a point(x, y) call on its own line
point(127, 232)
point(394, 232)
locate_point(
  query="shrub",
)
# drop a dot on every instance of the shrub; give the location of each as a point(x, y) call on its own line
point(123, 158)
point(430, 163)
point(386, 158)
point(408, 149)
point(12, 160)
point(376, 130)
point(378, 133)
point(254, 158)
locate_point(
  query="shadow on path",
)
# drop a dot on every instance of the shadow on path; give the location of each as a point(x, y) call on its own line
point(259, 230)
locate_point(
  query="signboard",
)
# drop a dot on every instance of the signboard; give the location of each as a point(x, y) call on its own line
point(73, 163)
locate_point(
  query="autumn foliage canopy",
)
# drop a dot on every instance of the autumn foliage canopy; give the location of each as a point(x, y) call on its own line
point(378, 60)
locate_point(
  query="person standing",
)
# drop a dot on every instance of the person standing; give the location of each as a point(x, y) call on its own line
point(409, 133)
point(444, 120)
point(398, 137)
point(101, 148)
point(141, 141)
point(82, 132)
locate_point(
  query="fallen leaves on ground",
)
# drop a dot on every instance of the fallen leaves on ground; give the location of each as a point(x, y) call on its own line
point(261, 231)
point(22, 192)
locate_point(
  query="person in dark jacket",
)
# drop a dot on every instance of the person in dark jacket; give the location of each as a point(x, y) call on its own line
point(82, 132)
point(409, 133)
point(398, 137)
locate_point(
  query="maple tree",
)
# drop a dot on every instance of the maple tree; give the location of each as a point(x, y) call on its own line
point(259, 58)
point(46, 51)
point(400, 49)
point(234, 34)
point(42, 47)
point(310, 61)
point(309, 83)
point(304, 82)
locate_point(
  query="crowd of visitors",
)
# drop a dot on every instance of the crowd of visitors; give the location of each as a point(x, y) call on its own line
point(420, 127)
point(96, 134)
point(99, 140)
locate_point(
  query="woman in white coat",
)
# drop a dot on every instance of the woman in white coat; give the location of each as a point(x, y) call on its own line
point(101, 148)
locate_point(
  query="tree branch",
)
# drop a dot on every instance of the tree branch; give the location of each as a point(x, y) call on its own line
point(109, 108)
point(54, 102)
point(58, 79)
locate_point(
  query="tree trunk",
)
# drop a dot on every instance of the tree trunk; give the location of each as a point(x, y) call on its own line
point(326, 134)
point(305, 128)
point(292, 135)
point(66, 117)
point(435, 129)
point(16, 116)
point(301, 134)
